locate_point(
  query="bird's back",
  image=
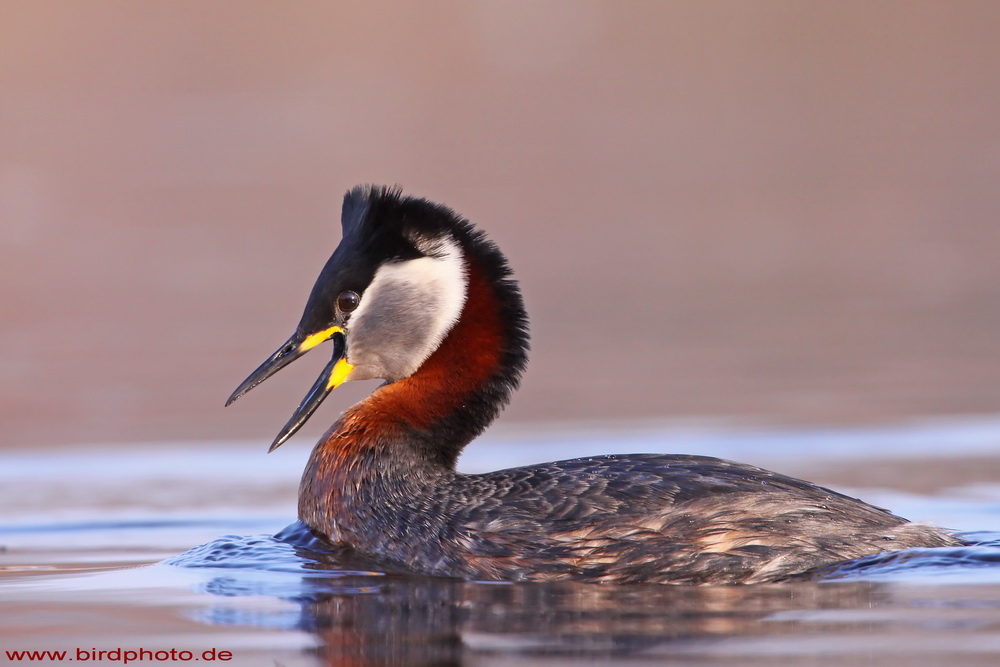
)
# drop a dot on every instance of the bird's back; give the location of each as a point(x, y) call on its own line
point(660, 518)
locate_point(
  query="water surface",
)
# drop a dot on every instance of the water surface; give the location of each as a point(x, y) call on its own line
point(169, 546)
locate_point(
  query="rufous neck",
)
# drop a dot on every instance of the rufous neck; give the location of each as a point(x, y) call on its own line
point(466, 381)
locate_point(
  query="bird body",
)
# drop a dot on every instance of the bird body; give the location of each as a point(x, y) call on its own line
point(416, 295)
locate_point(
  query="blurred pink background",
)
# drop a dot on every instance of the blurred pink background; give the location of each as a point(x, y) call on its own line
point(776, 211)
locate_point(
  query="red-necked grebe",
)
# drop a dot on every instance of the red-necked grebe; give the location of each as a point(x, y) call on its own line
point(415, 295)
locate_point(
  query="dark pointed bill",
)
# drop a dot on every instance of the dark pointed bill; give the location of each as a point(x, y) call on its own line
point(286, 354)
point(327, 381)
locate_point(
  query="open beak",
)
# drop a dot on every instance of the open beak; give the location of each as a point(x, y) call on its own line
point(333, 375)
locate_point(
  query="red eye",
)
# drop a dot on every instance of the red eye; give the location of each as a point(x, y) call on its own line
point(348, 301)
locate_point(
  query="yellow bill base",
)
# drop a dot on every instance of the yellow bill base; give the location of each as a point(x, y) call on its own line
point(315, 339)
point(340, 372)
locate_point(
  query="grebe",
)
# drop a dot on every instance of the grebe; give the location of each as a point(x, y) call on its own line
point(415, 295)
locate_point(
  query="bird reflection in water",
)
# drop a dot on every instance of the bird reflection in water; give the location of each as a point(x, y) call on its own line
point(361, 614)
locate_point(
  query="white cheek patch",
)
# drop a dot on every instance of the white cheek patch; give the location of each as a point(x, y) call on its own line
point(406, 312)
